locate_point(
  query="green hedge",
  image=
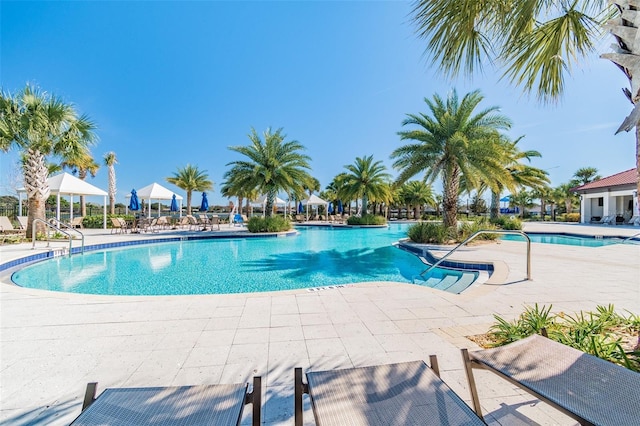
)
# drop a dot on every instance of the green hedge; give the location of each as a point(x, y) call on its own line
point(505, 222)
point(368, 219)
point(268, 224)
point(436, 233)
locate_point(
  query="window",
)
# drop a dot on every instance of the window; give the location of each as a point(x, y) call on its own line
point(600, 202)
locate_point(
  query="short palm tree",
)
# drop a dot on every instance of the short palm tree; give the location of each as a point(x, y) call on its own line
point(271, 166)
point(416, 194)
point(81, 162)
point(41, 125)
point(110, 160)
point(584, 175)
point(366, 179)
point(190, 178)
point(451, 142)
point(534, 42)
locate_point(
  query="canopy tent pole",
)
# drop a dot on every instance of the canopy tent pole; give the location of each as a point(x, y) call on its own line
point(70, 208)
point(58, 206)
point(19, 203)
point(104, 212)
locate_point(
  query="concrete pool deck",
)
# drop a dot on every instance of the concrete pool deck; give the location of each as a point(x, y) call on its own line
point(52, 344)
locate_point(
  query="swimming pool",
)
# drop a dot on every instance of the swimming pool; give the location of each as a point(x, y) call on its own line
point(566, 239)
point(318, 257)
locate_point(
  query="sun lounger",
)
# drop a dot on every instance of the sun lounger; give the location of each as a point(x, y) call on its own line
point(633, 220)
point(393, 394)
point(118, 225)
point(215, 220)
point(184, 405)
point(6, 227)
point(589, 389)
point(77, 222)
point(23, 220)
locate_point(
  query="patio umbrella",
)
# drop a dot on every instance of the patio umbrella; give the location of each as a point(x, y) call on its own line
point(330, 209)
point(174, 204)
point(204, 206)
point(300, 209)
point(134, 203)
point(340, 210)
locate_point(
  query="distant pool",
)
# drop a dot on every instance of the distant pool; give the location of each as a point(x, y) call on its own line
point(565, 239)
point(318, 257)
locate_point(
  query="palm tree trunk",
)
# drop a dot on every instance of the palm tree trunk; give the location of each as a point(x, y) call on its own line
point(365, 204)
point(82, 174)
point(494, 210)
point(35, 183)
point(188, 202)
point(451, 184)
point(112, 190)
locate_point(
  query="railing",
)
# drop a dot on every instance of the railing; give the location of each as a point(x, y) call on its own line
point(61, 224)
point(628, 238)
point(54, 227)
point(486, 231)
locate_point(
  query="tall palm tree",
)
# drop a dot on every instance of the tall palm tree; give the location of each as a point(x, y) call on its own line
point(366, 179)
point(312, 186)
point(239, 184)
point(41, 125)
point(110, 160)
point(190, 178)
point(452, 142)
point(522, 199)
point(416, 194)
point(535, 42)
point(272, 165)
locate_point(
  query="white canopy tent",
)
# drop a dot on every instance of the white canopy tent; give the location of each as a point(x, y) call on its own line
point(66, 184)
point(157, 192)
point(263, 202)
point(314, 200)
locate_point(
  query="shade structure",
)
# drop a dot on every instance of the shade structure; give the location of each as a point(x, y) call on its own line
point(204, 205)
point(174, 204)
point(262, 200)
point(134, 202)
point(66, 184)
point(156, 191)
point(314, 200)
point(340, 209)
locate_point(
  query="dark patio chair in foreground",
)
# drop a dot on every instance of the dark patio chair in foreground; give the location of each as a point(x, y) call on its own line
point(408, 393)
point(588, 389)
point(182, 405)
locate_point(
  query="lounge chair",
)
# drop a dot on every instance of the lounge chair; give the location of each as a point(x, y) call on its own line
point(23, 221)
point(183, 405)
point(118, 225)
point(6, 227)
point(584, 387)
point(392, 394)
point(215, 220)
point(633, 220)
point(77, 222)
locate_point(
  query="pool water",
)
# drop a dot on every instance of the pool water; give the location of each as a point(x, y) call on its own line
point(564, 239)
point(318, 257)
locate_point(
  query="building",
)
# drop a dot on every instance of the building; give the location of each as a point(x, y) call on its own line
point(615, 195)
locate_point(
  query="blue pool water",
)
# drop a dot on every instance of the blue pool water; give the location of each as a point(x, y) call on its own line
point(564, 239)
point(317, 257)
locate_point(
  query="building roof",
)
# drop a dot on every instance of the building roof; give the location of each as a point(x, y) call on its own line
point(627, 177)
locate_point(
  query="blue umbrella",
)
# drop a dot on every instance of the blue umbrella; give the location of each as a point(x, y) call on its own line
point(300, 209)
point(506, 199)
point(134, 203)
point(340, 210)
point(204, 206)
point(330, 208)
point(174, 204)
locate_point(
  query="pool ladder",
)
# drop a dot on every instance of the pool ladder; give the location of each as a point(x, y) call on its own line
point(487, 231)
point(58, 229)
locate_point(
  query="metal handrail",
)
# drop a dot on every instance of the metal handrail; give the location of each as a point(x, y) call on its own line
point(51, 225)
point(67, 226)
point(487, 231)
point(628, 238)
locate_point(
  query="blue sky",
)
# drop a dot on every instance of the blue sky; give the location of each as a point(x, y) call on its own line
point(172, 83)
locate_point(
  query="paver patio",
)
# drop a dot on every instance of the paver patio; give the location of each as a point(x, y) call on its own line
point(52, 344)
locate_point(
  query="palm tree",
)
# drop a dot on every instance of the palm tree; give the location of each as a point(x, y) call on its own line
point(535, 42)
point(584, 175)
point(81, 162)
point(366, 179)
point(567, 196)
point(453, 142)
point(190, 178)
point(110, 161)
point(543, 193)
point(41, 125)
point(522, 199)
point(271, 166)
point(312, 185)
point(416, 194)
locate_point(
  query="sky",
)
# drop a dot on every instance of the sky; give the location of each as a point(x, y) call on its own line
point(175, 83)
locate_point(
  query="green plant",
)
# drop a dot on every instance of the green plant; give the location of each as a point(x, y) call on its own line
point(531, 321)
point(507, 223)
point(428, 232)
point(367, 219)
point(466, 229)
point(572, 217)
point(268, 224)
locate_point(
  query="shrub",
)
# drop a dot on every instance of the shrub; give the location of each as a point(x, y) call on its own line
point(466, 229)
point(428, 232)
point(268, 224)
point(507, 223)
point(367, 219)
point(93, 222)
point(572, 217)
